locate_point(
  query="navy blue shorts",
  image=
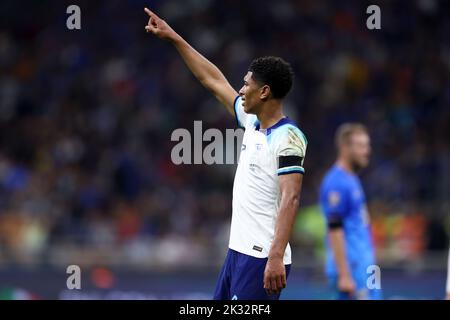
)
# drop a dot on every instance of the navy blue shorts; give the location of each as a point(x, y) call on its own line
point(242, 278)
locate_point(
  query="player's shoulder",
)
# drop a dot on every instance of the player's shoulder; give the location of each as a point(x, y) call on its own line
point(287, 130)
point(286, 126)
point(335, 178)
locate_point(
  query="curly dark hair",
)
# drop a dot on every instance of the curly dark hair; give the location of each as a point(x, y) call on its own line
point(274, 72)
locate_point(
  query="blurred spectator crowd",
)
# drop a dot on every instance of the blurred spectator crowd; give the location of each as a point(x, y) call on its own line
point(86, 119)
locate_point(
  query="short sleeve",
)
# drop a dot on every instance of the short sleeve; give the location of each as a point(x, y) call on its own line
point(290, 149)
point(334, 201)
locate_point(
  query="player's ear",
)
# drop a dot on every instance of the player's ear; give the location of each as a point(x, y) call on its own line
point(264, 92)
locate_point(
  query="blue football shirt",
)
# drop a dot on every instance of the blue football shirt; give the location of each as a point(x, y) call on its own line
point(342, 198)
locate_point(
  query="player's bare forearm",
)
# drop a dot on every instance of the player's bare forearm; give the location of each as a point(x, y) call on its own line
point(275, 273)
point(205, 71)
point(290, 187)
point(337, 243)
point(345, 282)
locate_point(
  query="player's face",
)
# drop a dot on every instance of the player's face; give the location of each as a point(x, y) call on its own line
point(250, 94)
point(359, 149)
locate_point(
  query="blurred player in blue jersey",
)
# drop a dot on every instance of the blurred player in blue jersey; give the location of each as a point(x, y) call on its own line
point(349, 243)
point(269, 175)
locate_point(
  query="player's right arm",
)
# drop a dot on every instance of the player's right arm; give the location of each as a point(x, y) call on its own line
point(334, 202)
point(337, 243)
point(205, 71)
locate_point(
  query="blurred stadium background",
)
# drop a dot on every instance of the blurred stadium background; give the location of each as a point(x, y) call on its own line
point(86, 118)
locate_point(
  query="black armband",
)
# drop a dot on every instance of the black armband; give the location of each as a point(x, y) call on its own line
point(289, 161)
point(335, 223)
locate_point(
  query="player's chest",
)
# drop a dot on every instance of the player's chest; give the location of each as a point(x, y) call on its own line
point(255, 149)
point(358, 205)
point(356, 195)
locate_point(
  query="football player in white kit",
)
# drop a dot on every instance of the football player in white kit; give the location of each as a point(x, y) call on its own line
point(266, 191)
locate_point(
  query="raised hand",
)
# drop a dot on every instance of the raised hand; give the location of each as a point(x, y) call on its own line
point(205, 71)
point(159, 27)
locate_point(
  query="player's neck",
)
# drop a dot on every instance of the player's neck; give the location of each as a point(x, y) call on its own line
point(342, 163)
point(270, 115)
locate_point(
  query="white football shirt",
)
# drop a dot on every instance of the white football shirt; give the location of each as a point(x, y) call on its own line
point(256, 191)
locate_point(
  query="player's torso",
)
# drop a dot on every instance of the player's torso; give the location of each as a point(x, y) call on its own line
point(257, 164)
point(256, 181)
point(356, 225)
point(359, 216)
point(255, 196)
point(357, 228)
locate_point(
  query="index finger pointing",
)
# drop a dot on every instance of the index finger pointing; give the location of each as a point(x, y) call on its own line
point(150, 13)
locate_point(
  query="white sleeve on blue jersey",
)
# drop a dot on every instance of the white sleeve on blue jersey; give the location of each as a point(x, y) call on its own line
point(290, 141)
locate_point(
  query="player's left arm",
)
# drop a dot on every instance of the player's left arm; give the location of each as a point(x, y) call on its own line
point(275, 272)
point(290, 149)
